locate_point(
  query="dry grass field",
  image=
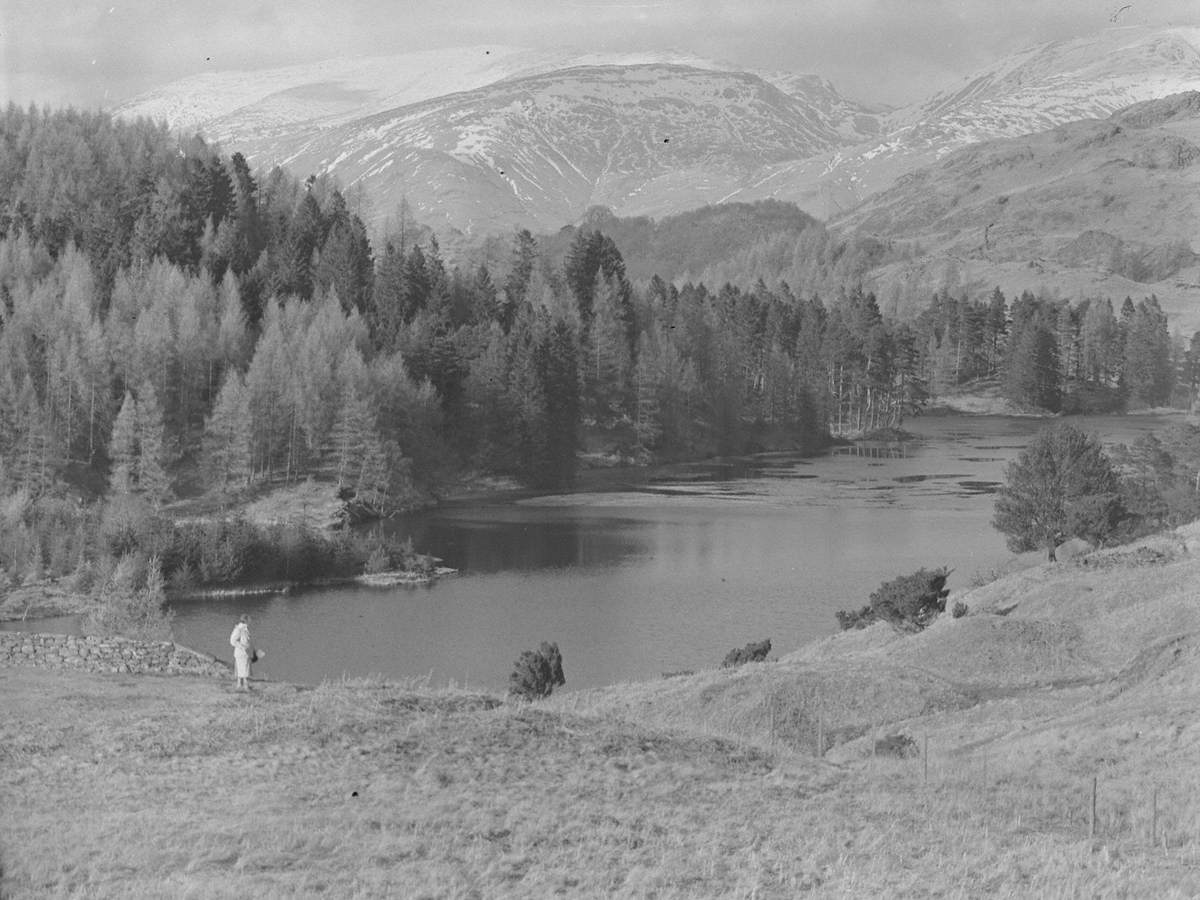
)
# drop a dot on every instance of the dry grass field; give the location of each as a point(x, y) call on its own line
point(703, 785)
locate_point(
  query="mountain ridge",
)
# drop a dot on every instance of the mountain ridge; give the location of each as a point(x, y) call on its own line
point(281, 114)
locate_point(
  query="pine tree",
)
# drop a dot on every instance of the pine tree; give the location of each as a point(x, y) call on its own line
point(387, 312)
point(524, 254)
point(558, 372)
point(609, 365)
point(1148, 374)
point(1097, 337)
point(1032, 373)
point(1061, 486)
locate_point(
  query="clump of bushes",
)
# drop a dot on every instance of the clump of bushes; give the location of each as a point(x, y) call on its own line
point(44, 537)
point(753, 652)
point(907, 603)
point(58, 536)
point(959, 610)
point(537, 673)
point(128, 599)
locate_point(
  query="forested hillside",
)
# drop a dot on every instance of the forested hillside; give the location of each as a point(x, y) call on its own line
point(175, 325)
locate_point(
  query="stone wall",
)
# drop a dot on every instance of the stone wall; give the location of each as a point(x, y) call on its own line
point(108, 654)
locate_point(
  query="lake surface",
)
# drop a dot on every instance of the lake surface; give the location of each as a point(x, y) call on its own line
point(662, 575)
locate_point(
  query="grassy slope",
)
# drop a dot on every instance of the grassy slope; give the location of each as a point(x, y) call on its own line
point(702, 785)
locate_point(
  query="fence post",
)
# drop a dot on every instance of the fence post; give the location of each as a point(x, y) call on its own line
point(1154, 818)
point(1092, 820)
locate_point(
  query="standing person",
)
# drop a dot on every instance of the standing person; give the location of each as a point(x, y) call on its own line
point(242, 650)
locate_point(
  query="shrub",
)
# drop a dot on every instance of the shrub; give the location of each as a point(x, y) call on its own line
point(750, 653)
point(908, 603)
point(898, 745)
point(537, 672)
point(959, 610)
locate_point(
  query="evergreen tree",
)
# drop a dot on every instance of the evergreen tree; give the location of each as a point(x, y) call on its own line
point(1147, 370)
point(524, 253)
point(1061, 486)
point(609, 366)
point(1032, 374)
point(387, 314)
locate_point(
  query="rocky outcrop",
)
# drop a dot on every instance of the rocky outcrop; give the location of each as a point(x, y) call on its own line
point(105, 654)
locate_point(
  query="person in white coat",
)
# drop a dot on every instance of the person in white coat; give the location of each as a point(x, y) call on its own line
point(242, 652)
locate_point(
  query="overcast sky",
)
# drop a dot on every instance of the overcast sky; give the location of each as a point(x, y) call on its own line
point(95, 54)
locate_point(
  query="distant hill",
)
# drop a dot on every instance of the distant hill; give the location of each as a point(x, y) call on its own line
point(1023, 93)
point(1103, 206)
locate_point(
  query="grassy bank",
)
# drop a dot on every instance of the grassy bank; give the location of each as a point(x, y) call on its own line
point(706, 785)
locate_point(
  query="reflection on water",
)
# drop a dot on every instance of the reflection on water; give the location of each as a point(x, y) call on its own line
point(666, 574)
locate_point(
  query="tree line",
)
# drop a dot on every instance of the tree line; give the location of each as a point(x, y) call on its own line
point(1050, 354)
point(172, 324)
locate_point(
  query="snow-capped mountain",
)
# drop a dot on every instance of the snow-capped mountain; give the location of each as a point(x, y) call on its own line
point(491, 137)
point(539, 150)
point(239, 105)
point(487, 138)
point(1027, 92)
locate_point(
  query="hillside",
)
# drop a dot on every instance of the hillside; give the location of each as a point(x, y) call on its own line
point(1030, 91)
point(692, 785)
point(1096, 207)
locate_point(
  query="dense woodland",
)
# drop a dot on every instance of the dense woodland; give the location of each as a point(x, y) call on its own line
point(174, 325)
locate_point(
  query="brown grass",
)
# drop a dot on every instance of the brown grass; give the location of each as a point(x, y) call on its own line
point(705, 785)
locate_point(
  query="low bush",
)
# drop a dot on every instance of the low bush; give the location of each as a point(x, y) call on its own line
point(907, 603)
point(537, 673)
point(898, 745)
point(750, 653)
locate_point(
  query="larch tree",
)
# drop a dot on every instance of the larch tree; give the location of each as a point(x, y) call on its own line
point(226, 458)
point(153, 483)
point(122, 448)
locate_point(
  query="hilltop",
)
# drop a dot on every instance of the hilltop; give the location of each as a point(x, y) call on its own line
point(707, 784)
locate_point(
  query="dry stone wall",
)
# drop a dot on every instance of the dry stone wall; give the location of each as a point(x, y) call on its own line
point(105, 654)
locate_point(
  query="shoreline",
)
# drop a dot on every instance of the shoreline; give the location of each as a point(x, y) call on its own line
point(51, 599)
